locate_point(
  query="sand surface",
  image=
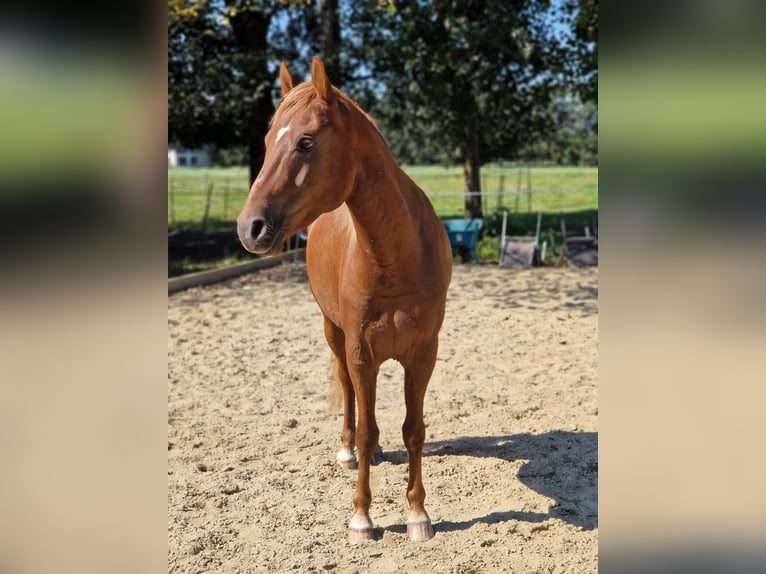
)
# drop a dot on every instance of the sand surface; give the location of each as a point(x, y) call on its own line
point(511, 456)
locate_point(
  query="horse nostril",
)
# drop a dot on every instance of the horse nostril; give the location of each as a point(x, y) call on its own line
point(256, 228)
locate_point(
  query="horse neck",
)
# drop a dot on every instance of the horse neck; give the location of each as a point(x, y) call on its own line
point(383, 204)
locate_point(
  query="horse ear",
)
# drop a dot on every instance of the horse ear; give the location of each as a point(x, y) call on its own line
point(285, 78)
point(320, 79)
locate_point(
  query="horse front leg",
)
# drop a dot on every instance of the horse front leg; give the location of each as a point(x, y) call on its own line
point(336, 341)
point(363, 375)
point(346, 457)
point(416, 376)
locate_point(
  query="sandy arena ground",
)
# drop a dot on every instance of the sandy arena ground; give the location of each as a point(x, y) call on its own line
point(511, 455)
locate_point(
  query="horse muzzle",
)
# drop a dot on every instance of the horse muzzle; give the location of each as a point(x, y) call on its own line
point(259, 235)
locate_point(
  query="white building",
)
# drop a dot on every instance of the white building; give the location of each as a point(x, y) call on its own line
point(180, 157)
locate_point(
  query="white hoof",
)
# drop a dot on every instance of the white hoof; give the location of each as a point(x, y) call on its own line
point(419, 527)
point(360, 529)
point(346, 459)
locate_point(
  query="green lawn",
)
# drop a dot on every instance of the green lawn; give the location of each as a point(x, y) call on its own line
point(554, 189)
point(188, 192)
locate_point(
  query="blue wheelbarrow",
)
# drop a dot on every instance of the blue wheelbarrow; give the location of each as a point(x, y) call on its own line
point(464, 233)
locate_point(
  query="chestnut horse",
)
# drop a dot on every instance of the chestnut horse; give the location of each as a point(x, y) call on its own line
point(379, 264)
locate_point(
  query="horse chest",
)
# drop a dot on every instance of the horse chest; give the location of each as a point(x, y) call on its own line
point(391, 334)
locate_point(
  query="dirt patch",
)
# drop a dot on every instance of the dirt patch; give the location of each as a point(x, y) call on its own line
point(511, 459)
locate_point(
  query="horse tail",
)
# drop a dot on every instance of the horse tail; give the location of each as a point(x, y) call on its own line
point(335, 391)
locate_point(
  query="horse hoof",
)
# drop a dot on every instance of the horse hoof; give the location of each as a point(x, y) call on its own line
point(356, 536)
point(420, 531)
point(348, 464)
point(347, 459)
point(360, 529)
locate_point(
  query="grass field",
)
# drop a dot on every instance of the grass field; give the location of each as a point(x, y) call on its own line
point(212, 198)
point(553, 189)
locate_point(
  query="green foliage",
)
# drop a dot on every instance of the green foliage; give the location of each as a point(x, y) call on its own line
point(230, 157)
point(454, 69)
point(573, 140)
point(434, 75)
point(221, 65)
point(583, 51)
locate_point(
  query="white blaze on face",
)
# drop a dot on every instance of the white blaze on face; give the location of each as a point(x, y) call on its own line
point(282, 131)
point(301, 176)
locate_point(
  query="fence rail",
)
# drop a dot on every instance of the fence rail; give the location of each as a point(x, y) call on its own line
point(209, 199)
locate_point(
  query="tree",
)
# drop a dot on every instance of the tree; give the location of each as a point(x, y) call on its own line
point(584, 48)
point(480, 71)
point(574, 142)
point(222, 69)
point(330, 39)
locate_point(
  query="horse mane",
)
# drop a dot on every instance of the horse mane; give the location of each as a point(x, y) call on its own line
point(302, 94)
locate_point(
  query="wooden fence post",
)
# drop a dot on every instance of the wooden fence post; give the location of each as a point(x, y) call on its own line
point(529, 189)
point(173, 200)
point(207, 205)
point(226, 199)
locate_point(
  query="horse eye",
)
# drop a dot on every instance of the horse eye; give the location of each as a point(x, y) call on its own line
point(305, 143)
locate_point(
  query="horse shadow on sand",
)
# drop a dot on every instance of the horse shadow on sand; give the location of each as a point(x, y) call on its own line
point(559, 465)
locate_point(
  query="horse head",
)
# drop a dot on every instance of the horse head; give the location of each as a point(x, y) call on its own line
point(308, 168)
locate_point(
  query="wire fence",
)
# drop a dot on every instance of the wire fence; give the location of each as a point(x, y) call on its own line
point(211, 199)
point(200, 204)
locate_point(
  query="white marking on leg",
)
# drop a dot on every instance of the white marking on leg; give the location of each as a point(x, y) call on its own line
point(418, 518)
point(360, 523)
point(301, 175)
point(282, 131)
point(345, 455)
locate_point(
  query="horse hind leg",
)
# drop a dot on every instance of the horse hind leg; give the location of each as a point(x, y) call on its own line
point(416, 377)
point(341, 390)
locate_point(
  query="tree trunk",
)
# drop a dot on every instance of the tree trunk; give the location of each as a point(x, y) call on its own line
point(257, 127)
point(472, 179)
point(251, 29)
point(330, 39)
